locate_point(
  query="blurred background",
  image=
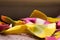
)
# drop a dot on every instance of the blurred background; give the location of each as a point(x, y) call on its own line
point(23, 8)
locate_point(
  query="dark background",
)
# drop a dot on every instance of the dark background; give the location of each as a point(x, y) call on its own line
point(23, 8)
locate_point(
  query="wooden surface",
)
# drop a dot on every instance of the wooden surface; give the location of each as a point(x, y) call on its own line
point(18, 37)
point(15, 37)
